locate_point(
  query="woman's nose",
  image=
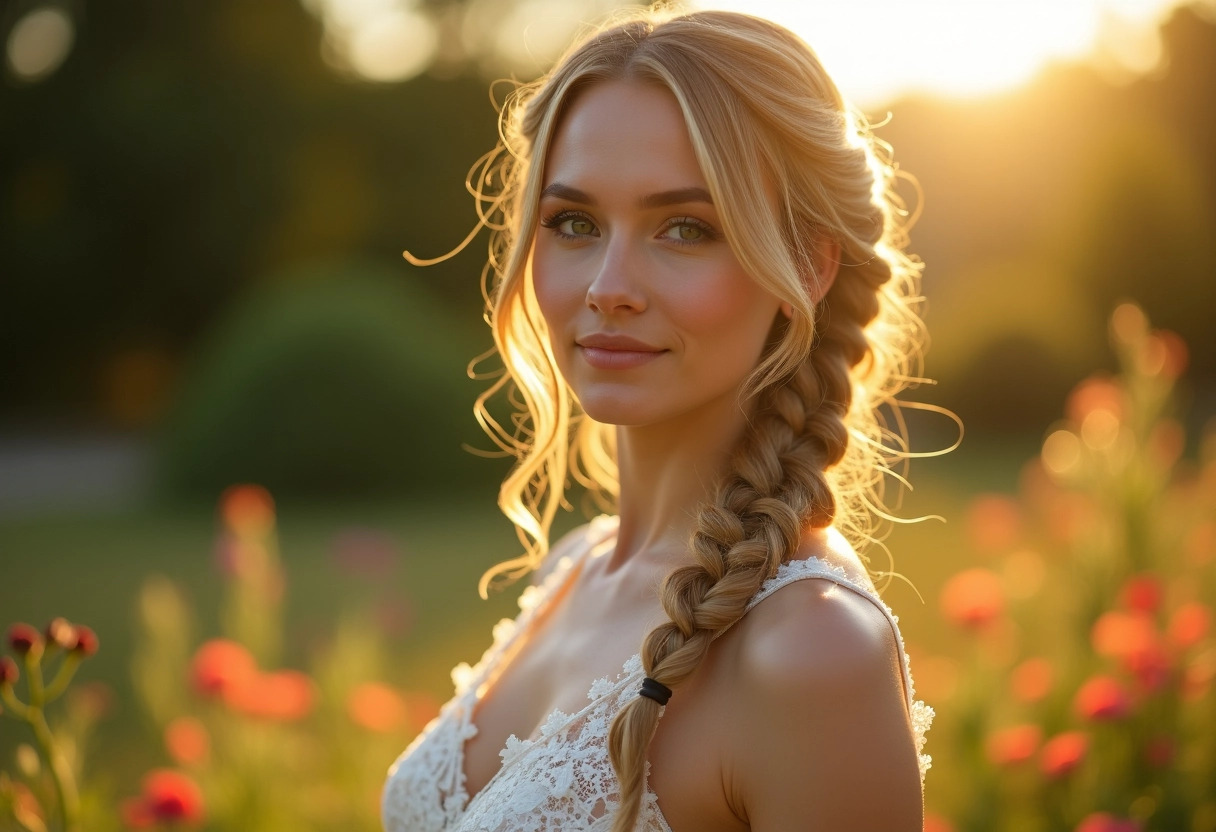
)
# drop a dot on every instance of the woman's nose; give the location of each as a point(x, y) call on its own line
point(618, 284)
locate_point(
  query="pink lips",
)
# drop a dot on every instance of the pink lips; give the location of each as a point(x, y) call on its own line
point(617, 352)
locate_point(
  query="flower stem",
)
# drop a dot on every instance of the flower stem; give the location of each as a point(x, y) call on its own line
point(61, 774)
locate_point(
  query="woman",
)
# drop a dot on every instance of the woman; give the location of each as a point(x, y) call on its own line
point(700, 299)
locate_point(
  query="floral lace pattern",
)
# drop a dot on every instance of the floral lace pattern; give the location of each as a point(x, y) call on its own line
point(561, 778)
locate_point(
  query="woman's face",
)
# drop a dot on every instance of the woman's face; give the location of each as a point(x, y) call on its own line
point(650, 315)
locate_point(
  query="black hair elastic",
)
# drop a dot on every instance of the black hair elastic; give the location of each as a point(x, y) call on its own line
point(657, 691)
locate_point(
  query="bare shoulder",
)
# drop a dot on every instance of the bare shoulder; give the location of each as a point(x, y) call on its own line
point(825, 740)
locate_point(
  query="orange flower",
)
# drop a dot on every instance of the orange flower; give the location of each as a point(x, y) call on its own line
point(973, 598)
point(1104, 822)
point(1189, 624)
point(1013, 745)
point(1102, 698)
point(247, 510)
point(284, 695)
point(1093, 394)
point(994, 522)
point(1032, 679)
point(220, 666)
point(1119, 635)
point(936, 823)
point(1063, 754)
point(376, 707)
point(187, 741)
point(1141, 593)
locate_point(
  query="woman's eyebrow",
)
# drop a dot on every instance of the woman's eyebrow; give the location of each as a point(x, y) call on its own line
point(655, 200)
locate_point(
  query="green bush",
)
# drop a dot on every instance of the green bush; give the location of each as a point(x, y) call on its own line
point(330, 382)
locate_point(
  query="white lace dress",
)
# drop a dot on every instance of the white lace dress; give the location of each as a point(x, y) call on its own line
point(561, 778)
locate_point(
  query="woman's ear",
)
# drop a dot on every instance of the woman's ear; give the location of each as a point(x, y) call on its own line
point(825, 259)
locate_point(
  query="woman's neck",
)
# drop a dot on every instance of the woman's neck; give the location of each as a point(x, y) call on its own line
point(666, 471)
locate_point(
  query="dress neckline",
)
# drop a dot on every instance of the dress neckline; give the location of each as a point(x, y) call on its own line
point(567, 570)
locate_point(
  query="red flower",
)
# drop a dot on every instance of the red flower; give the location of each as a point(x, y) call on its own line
point(248, 510)
point(1102, 698)
point(1013, 745)
point(187, 741)
point(25, 638)
point(9, 674)
point(168, 796)
point(172, 796)
point(1104, 822)
point(973, 598)
point(1151, 667)
point(1063, 754)
point(86, 641)
point(220, 666)
point(1189, 624)
point(376, 707)
point(284, 695)
point(1032, 679)
point(1141, 593)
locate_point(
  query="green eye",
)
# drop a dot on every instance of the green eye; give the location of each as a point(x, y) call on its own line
point(690, 233)
point(578, 226)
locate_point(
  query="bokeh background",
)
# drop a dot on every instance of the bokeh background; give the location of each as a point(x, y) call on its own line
point(202, 213)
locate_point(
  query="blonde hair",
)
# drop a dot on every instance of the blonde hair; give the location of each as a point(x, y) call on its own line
point(788, 165)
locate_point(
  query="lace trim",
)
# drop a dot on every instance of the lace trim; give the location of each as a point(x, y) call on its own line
point(572, 785)
point(921, 714)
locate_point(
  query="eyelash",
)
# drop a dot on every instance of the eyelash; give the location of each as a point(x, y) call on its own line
point(555, 221)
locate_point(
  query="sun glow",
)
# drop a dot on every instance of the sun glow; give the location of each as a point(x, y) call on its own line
point(880, 49)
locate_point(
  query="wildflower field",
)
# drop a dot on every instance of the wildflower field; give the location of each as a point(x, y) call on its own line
point(259, 668)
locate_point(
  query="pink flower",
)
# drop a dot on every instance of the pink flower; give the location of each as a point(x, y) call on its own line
point(1063, 754)
point(973, 598)
point(1102, 698)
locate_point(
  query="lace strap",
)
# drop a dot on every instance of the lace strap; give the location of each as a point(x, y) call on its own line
point(801, 570)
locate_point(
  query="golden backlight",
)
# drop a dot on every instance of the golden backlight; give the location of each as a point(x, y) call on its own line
point(880, 49)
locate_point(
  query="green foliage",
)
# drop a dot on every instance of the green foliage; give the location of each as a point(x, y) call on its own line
point(336, 382)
